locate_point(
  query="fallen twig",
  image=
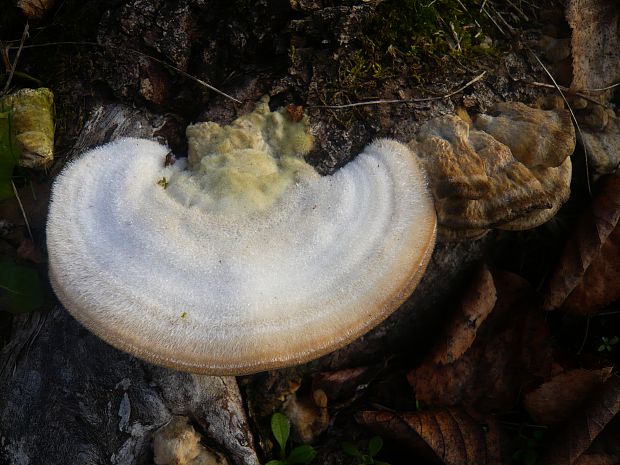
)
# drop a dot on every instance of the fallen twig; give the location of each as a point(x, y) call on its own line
point(414, 100)
point(565, 89)
point(555, 84)
point(21, 207)
point(14, 64)
point(602, 89)
point(137, 52)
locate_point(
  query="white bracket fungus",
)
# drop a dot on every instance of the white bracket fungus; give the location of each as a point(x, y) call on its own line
point(203, 284)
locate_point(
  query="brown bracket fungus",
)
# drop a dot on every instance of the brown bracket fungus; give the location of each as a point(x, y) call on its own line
point(511, 171)
point(231, 267)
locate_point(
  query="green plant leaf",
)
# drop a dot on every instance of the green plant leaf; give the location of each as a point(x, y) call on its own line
point(275, 462)
point(281, 428)
point(374, 445)
point(21, 290)
point(302, 454)
point(351, 449)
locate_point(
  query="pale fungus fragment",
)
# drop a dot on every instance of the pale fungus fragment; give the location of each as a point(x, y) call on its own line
point(271, 264)
point(33, 118)
point(178, 443)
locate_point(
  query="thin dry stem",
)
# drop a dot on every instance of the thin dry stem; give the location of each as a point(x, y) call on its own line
point(137, 52)
point(583, 142)
point(21, 207)
point(14, 64)
point(602, 89)
point(486, 12)
point(414, 100)
point(565, 89)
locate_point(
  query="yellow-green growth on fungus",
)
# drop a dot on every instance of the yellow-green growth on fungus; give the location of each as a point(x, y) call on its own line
point(247, 165)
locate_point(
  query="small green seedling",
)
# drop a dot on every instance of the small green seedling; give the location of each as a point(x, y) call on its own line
point(281, 429)
point(608, 343)
point(374, 446)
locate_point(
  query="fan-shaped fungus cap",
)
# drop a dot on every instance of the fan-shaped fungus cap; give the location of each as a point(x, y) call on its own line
point(180, 268)
point(537, 138)
point(514, 173)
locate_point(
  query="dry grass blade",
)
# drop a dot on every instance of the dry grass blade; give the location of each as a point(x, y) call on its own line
point(136, 52)
point(414, 100)
point(565, 89)
point(14, 64)
point(555, 84)
point(603, 89)
point(21, 207)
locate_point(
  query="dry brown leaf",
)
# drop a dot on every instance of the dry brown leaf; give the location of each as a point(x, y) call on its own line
point(600, 285)
point(343, 385)
point(595, 42)
point(598, 459)
point(476, 305)
point(605, 450)
point(556, 399)
point(35, 9)
point(449, 435)
point(510, 350)
point(584, 248)
point(579, 433)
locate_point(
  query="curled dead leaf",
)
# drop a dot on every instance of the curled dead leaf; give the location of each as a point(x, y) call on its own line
point(35, 9)
point(579, 433)
point(450, 435)
point(589, 266)
point(556, 399)
point(476, 305)
point(486, 368)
